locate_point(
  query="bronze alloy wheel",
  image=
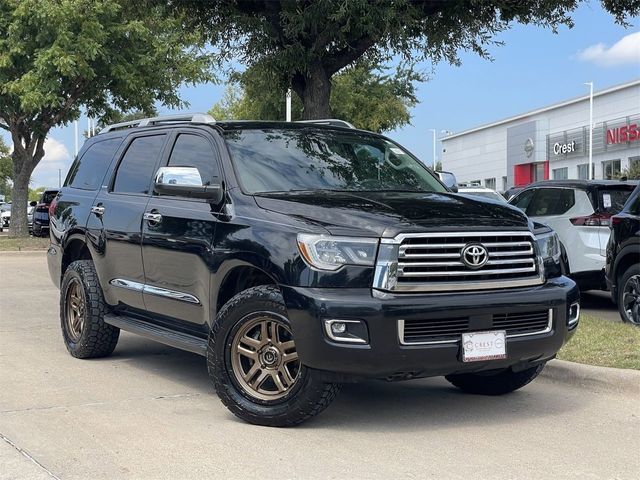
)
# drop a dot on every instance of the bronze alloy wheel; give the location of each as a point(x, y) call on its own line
point(631, 299)
point(75, 310)
point(264, 358)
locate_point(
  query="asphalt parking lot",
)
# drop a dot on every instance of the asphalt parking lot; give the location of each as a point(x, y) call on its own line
point(149, 411)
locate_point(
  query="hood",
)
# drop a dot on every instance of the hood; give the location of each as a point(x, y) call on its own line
point(389, 213)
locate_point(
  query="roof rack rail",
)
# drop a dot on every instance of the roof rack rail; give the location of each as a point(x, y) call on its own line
point(334, 122)
point(145, 122)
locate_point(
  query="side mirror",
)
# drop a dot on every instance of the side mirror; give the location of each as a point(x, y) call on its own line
point(33, 203)
point(449, 180)
point(186, 182)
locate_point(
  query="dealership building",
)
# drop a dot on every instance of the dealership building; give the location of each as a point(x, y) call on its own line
point(551, 142)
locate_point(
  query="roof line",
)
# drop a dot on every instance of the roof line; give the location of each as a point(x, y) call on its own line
point(564, 103)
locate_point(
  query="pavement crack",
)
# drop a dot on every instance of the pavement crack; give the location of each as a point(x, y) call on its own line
point(25, 454)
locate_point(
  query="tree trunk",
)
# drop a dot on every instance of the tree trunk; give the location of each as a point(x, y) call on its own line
point(22, 170)
point(316, 93)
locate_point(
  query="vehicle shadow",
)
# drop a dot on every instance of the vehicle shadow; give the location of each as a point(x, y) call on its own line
point(374, 405)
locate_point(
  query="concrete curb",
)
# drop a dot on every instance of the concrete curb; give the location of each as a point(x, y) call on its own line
point(601, 379)
point(26, 253)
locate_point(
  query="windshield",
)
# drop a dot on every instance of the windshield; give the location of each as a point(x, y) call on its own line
point(278, 160)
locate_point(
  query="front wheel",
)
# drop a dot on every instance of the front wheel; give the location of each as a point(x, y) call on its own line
point(505, 381)
point(629, 295)
point(254, 365)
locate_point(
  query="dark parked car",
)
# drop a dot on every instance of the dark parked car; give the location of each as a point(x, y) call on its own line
point(41, 213)
point(298, 256)
point(623, 259)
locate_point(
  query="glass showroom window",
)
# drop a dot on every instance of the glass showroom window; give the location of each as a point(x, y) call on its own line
point(610, 169)
point(634, 163)
point(490, 183)
point(504, 184)
point(583, 170)
point(561, 173)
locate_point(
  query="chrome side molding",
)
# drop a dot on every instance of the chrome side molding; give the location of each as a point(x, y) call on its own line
point(151, 290)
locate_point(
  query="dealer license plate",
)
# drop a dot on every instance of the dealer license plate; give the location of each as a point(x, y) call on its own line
point(480, 346)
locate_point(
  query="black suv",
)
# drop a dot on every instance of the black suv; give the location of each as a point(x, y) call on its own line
point(298, 256)
point(623, 259)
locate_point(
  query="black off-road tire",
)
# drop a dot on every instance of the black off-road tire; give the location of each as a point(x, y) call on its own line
point(500, 383)
point(97, 338)
point(310, 394)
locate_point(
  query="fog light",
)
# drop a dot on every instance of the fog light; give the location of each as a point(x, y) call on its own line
point(338, 327)
point(574, 314)
point(347, 331)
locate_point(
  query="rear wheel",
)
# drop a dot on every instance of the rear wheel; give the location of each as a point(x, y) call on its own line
point(254, 365)
point(505, 381)
point(629, 295)
point(82, 310)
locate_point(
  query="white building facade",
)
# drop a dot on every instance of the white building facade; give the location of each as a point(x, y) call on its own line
point(551, 142)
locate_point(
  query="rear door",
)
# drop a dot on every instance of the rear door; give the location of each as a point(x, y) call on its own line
point(177, 249)
point(115, 223)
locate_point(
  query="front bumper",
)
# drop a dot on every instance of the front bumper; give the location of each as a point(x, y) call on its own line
point(385, 357)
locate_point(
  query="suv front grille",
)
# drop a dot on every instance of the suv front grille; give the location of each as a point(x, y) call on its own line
point(449, 330)
point(437, 262)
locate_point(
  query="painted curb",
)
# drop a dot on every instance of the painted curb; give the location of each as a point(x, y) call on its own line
point(604, 379)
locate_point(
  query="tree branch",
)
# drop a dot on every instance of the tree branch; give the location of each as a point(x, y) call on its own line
point(348, 55)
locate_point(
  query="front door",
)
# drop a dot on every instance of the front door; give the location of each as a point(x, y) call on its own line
point(115, 223)
point(177, 238)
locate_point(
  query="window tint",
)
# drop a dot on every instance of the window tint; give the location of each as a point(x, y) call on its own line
point(88, 171)
point(522, 201)
point(139, 165)
point(551, 201)
point(633, 207)
point(195, 151)
point(612, 201)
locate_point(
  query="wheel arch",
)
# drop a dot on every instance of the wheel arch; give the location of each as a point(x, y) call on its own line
point(75, 248)
point(236, 277)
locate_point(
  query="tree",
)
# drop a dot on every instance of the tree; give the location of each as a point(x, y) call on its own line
point(6, 170)
point(363, 94)
point(303, 44)
point(59, 55)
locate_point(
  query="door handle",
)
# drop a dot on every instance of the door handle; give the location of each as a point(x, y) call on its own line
point(97, 211)
point(152, 217)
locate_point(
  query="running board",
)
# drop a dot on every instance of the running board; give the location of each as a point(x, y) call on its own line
point(180, 340)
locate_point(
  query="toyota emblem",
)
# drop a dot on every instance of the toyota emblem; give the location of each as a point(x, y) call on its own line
point(474, 256)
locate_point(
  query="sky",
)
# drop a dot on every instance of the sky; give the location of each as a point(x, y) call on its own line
point(533, 68)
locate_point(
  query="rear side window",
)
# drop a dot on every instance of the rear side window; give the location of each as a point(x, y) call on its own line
point(195, 151)
point(611, 201)
point(551, 201)
point(138, 165)
point(88, 171)
point(47, 197)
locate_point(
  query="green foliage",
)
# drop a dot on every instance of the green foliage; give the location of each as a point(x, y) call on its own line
point(34, 193)
point(57, 56)
point(303, 44)
point(632, 172)
point(362, 94)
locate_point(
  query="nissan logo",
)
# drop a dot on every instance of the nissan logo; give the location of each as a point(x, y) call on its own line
point(474, 256)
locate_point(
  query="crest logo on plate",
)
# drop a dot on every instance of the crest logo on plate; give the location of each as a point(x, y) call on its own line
point(474, 256)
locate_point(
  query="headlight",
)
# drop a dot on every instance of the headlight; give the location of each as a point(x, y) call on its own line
point(549, 246)
point(327, 252)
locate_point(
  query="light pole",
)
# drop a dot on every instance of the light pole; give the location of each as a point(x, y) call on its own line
point(75, 133)
point(433, 130)
point(590, 173)
point(288, 103)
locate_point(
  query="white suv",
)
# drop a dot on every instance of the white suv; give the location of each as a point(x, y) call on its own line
point(579, 211)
